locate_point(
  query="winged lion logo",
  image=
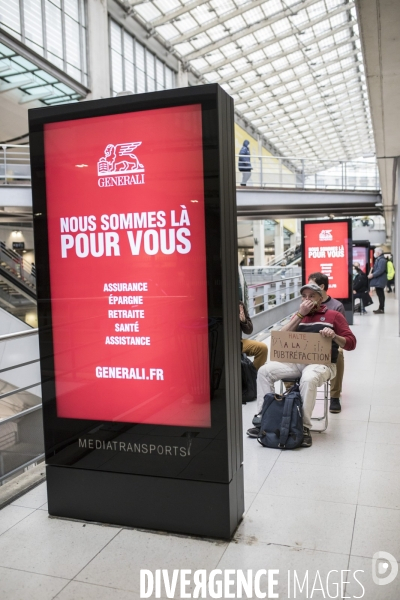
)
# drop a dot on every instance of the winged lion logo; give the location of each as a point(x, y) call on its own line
point(119, 158)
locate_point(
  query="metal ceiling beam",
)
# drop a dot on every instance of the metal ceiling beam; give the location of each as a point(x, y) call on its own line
point(218, 21)
point(289, 126)
point(6, 87)
point(294, 134)
point(317, 121)
point(31, 97)
point(271, 88)
point(307, 100)
point(285, 133)
point(279, 97)
point(253, 28)
point(136, 2)
point(173, 14)
point(227, 61)
point(298, 63)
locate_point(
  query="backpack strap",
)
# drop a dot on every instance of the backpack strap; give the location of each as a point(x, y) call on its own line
point(286, 418)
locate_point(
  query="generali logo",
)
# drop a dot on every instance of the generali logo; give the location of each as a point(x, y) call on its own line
point(326, 235)
point(120, 166)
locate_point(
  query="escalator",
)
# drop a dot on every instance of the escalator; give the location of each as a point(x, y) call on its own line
point(17, 286)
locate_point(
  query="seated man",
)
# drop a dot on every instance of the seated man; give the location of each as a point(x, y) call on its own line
point(250, 347)
point(312, 317)
point(322, 282)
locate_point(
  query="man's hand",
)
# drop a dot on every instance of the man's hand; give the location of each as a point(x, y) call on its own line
point(242, 316)
point(328, 332)
point(306, 306)
point(370, 276)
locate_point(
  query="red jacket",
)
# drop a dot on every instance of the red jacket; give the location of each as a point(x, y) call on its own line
point(324, 317)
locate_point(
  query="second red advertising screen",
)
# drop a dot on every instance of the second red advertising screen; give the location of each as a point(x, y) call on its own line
point(360, 255)
point(126, 227)
point(326, 250)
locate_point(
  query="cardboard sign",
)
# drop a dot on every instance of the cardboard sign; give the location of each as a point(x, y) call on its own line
point(303, 348)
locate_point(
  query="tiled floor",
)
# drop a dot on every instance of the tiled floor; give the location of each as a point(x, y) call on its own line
point(328, 508)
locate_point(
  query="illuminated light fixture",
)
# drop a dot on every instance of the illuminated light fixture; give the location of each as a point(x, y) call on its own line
point(16, 233)
point(194, 201)
point(81, 166)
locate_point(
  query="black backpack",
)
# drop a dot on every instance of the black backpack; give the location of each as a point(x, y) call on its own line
point(282, 420)
point(249, 380)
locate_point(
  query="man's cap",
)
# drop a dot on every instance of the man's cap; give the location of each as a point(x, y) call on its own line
point(312, 286)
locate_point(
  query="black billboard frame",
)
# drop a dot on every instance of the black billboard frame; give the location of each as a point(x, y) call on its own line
point(213, 503)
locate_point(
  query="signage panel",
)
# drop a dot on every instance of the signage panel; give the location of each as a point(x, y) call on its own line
point(127, 251)
point(327, 249)
point(361, 254)
point(136, 258)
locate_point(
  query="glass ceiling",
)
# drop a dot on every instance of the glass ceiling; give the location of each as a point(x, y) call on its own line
point(294, 68)
point(16, 72)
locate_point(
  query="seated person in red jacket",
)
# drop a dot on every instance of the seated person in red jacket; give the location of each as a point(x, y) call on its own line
point(250, 347)
point(312, 317)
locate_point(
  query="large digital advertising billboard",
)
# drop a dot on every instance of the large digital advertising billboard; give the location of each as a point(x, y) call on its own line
point(127, 267)
point(361, 255)
point(134, 212)
point(327, 249)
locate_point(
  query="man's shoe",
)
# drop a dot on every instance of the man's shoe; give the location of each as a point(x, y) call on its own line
point(254, 432)
point(307, 439)
point(335, 405)
point(379, 312)
point(257, 420)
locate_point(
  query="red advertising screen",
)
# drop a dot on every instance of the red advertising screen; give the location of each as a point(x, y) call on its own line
point(326, 251)
point(126, 227)
point(360, 255)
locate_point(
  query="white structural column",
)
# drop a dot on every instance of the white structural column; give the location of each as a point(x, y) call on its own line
point(259, 243)
point(98, 51)
point(295, 238)
point(278, 239)
point(396, 230)
point(183, 80)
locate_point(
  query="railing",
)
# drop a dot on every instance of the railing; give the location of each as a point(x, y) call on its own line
point(268, 294)
point(257, 275)
point(17, 266)
point(21, 434)
point(308, 174)
point(14, 165)
point(267, 171)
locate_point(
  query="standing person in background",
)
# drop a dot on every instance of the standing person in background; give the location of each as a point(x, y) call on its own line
point(390, 273)
point(378, 279)
point(360, 288)
point(244, 164)
point(322, 282)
